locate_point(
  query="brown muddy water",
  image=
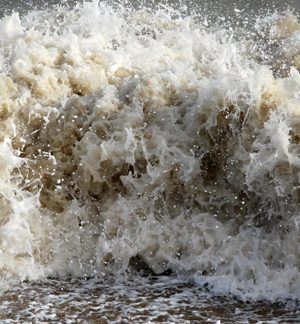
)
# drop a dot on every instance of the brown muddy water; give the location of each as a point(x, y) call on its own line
point(156, 300)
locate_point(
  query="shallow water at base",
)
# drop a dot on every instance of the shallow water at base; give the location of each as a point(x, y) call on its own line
point(138, 300)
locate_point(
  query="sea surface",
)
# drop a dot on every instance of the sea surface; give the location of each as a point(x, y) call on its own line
point(150, 162)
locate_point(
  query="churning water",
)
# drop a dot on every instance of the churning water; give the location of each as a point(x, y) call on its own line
point(149, 140)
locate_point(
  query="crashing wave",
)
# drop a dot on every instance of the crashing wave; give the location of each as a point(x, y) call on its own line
point(150, 136)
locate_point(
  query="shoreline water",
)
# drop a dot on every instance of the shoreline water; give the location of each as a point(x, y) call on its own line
point(165, 300)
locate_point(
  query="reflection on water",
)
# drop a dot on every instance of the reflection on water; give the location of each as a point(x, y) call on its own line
point(138, 300)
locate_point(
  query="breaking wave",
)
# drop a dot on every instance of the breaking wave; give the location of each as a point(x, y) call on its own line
point(149, 138)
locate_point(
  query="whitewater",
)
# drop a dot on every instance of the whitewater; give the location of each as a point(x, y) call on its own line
point(151, 141)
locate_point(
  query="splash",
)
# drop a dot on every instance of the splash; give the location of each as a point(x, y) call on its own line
point(153, 136)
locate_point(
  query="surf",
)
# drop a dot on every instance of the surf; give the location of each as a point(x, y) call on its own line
point(153, 135)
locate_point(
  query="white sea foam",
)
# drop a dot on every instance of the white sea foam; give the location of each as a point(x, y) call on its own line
point(135, 133)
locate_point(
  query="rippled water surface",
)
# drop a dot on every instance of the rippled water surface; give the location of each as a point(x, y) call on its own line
point(157, 300)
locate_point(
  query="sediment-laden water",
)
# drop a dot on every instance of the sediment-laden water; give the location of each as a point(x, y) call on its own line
point(163, 300)
point(149, 140)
